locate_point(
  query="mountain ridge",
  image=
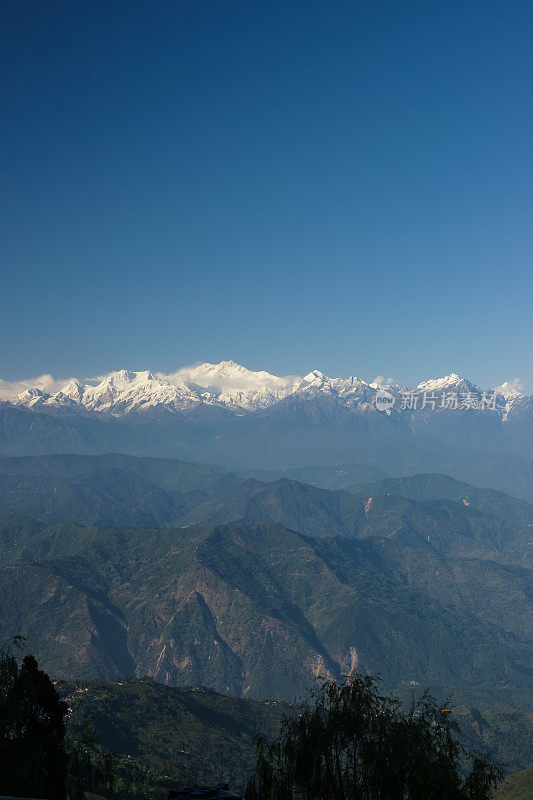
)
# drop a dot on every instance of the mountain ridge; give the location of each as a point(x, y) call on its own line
point(226, 414)
point(123, 490)
point(261, 610)
point(227, 384)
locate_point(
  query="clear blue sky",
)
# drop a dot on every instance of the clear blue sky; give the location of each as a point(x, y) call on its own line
point(293, 185)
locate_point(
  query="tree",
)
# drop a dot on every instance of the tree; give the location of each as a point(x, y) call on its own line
point(351, 743)
point(32, 730)
point(89, 767)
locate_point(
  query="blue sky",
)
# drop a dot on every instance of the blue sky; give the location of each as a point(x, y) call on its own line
point(344, 186)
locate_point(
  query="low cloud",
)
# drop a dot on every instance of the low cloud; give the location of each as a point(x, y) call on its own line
point(47, 383)
point(514, 386)
point(380, 380)
point(232, 376)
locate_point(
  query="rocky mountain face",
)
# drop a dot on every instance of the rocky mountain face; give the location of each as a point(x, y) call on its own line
point(263, 586)
point(259, 610)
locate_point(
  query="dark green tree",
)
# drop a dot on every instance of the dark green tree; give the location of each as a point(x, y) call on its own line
point(351, 743)
point(89, 767)
point(32, 730)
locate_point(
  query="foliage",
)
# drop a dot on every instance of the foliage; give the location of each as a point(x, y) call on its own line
point(90, 769)
point(161, 736)
point(351, 743)
point(240, 607)
point(32, 730)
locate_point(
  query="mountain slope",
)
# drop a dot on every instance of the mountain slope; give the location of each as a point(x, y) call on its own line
point(108, 489)
point(195, 735)
point(516, 787)
point(118, 489)
point(340, 476)
point(258, 610)
point(445, 526)
point(190, 735)
point(434, 486)
point(24, 432)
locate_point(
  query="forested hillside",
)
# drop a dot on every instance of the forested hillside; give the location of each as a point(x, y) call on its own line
point(165, 736)
point(258, 610)
point(193, 575)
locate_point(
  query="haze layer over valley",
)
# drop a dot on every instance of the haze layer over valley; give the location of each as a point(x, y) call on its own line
point(225, 414)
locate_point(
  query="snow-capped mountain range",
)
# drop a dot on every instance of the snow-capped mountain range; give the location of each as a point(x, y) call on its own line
point(231, 386)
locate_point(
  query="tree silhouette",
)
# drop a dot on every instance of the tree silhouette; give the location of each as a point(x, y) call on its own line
point(351, 743)
point(32, 730)
point(90, 769)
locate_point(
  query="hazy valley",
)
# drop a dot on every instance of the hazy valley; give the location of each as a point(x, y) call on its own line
point(306, 536)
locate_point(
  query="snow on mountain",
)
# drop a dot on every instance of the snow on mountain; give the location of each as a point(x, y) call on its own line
point(231, 386)
point(513, 398)
point(119, 393)
point(124, 392)
point(32, 397)
point(72, 391)
point(508, 389)
point(10, 390)
point(315, 380)
point(234, 386)
point(450, 383)
point(351, 391)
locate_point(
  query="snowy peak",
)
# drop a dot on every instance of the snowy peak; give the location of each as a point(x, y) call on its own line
point(126, 392)
point(514, 401)
point(351, 392)
point(230, 385)
point(227, 374)
point(73, 390)
point(315, 379)
point(510, 389)
point(225, 369)
point(32, 397)
point(451, 382)
point(123, 378)
point(234, 386)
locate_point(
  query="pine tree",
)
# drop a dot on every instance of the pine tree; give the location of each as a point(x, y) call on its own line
point(32, 731)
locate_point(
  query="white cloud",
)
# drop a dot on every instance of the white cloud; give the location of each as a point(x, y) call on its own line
point(229, 376)
point(380, 380)
point(179, 377)
point(511, 387)
point(47, 383)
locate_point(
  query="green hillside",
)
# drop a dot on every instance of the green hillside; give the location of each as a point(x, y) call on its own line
point(516, 787)
point(194, 576)
point(109, 489)
point(340, 476)
point(172, 736)
point(175, 735)
point(456, 519)
point(433, 486)
point(259, 610)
